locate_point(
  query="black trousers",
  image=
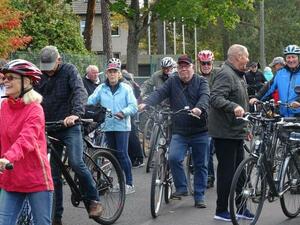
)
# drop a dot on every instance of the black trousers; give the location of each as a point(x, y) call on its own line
point(135, 150)
point(230, 153)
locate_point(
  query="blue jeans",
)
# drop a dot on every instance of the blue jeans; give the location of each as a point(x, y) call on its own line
point(72, 139)
point(118, 140)
point(11, 204)
point(178, 147)
point(211, 170)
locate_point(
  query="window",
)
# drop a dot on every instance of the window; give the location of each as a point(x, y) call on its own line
point(115, 30)
point(82, 26)
point(116, 55)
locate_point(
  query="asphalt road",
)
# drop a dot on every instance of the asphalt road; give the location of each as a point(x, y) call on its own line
point(178, 212)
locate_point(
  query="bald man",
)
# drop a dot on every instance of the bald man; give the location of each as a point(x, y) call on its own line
point(229, 100)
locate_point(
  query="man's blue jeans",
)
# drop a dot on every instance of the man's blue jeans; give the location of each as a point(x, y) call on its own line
point(72, 139)
point(11, 204)
point(178, 148)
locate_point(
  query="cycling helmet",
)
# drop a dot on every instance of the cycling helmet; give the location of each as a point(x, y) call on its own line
point(205, 56)
point(114, 63)
point(292, 50)
point(23, 68)
point(167, 62)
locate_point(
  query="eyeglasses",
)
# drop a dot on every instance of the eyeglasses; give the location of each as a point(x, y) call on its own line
point(9, 78)
point(205, 63)
point(184, 66)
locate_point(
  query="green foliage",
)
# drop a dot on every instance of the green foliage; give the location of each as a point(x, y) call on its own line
point(51, 23)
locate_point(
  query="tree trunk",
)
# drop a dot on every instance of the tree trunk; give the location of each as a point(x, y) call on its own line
point(89, 24)
point(106, 27)
point(132, 48)
point(160, 37)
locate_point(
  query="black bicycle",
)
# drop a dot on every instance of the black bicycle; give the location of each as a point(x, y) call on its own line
point(271, 171)
point(106, 172)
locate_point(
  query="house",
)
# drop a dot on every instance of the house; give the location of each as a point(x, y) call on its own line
point(119, 33)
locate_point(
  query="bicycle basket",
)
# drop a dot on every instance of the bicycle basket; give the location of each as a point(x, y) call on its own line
point(95, 112)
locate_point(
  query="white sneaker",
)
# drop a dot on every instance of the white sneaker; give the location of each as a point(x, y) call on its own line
point(129, 189)
point(116, 188)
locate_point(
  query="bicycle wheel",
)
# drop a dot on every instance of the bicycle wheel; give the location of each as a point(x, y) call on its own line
point(110, 183)
point(146, 136)
point(190, 173)
point(290, 187)
point(247, 192)
point(169, 186)
point(157, 184)
point(153, 144)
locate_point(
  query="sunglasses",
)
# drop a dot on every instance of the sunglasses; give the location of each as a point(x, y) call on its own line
point(9, 78)
point(205, 63)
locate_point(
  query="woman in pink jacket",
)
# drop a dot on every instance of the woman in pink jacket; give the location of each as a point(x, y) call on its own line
point(23, 143)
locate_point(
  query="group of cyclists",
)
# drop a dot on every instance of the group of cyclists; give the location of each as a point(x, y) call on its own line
point(55, 91)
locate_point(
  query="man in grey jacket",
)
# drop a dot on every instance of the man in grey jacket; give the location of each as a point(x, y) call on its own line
point(229, 100)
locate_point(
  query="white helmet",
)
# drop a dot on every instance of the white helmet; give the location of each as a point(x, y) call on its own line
point(167, 62)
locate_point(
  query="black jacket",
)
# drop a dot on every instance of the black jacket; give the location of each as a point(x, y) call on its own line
point(63, 93)
point(89, 85)
point(194, 94)
point(228, 91)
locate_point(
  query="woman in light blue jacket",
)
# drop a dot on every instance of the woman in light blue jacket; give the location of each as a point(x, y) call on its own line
point(119, 98)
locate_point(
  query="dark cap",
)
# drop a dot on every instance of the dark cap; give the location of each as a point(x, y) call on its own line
point(185, 59)
point(253, 63)
point(48, 57)
point(277, 60)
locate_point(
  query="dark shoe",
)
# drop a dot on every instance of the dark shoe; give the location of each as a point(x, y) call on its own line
point(245, 214)
point(178, 195)
point(56, 222)
point(224, 216)
point(200, 204)
point(95, 209)
point(138, 163)
point(210, 183)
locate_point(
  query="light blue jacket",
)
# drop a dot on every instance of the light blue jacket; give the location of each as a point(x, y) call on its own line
point(285, 81)
point(121, 100)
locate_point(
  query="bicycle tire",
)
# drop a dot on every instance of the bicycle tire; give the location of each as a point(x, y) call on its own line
point(157, 184)
point(146, 136)
point(153, 143)
point(110, 184)
point(248, 186)
point(290, 186)
point(169, 186)
point(190, 173)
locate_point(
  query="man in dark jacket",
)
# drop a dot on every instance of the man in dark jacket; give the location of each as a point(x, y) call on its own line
point(64, 98)
point(91, 79)
point(186, 89)
point(229, 100)
point(255, 79)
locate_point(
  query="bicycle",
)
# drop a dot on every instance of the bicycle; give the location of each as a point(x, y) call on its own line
point(106, 172)
point(162, 180)
point(266, 173)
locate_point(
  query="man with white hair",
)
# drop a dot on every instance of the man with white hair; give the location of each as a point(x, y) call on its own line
point(91, 79)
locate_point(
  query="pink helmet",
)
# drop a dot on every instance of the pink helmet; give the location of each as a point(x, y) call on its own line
point(23, 68)
point(205, 56)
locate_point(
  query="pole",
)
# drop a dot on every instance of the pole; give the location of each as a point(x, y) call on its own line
point(262, 35)
point(174, 36)
point(195, 40)
point(183, 37)
point(165, 38)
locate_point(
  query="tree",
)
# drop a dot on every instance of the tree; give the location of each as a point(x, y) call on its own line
point(11, 37)
point(106, 27)
point(51, 23)
point(200, 12)
point(89, 24)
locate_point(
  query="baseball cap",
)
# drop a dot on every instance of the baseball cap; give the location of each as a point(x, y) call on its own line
point(277, 60)
point(185, 59)
point(48, 57)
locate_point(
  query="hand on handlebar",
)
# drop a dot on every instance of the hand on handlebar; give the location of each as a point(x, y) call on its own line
point(252, 101)
point(70, 120)
point(141, 106)
point(239, 111)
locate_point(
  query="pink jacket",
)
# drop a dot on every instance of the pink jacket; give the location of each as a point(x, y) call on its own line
point(23, 142)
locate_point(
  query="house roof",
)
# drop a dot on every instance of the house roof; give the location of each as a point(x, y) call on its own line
point(80, 6)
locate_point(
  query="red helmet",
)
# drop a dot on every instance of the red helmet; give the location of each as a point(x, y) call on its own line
point(205, 56)
point(23, 68)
